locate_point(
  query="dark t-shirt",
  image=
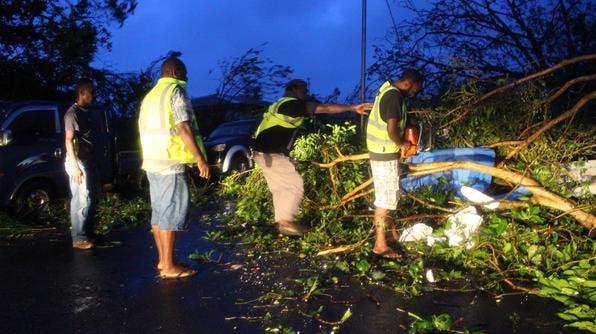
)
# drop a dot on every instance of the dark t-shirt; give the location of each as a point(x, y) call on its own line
point(390, 107)
point(278, 139)
point(79, 120)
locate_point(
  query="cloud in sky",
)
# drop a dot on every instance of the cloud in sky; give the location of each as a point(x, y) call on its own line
point(320, 40)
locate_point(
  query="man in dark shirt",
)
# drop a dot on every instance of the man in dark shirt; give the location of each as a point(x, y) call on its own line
point(384, 139)
point(81, 165)
point(274, 139)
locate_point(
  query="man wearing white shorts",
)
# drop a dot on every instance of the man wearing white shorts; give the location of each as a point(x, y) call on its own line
point(384, 140)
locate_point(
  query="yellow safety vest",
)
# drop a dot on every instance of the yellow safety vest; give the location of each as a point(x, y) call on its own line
point(377, 137)
point(272, 118)
point(160, 141)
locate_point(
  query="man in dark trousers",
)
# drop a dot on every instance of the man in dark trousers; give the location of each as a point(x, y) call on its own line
point(81, 165)
point(273, 142)
point(167, 127)
point(384, 139)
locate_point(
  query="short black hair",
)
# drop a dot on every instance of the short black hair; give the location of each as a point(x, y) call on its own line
point(173, 63)
point(412, 75)
point(83, 85)
point(295, 83)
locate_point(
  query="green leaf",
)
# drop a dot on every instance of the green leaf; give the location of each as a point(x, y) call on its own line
point(346, 315)
point(507, 247)
point(378, 275)
point(585, 325)
point(532, 251)
point(343, 266)
point(363, 266)
point(442, 322)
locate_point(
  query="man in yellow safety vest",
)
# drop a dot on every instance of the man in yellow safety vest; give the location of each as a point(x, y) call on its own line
point(274, 139)
point(385, 139)
point(167, 128)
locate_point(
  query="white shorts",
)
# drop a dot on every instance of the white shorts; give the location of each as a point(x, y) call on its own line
point(386, 181)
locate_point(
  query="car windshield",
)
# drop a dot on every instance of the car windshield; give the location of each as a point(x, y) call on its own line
point(233, 129)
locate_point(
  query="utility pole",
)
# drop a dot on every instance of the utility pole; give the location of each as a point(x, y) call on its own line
point(363, 65)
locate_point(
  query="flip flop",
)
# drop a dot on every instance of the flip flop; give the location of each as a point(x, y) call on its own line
point(388, 254)
point(181, 274)
point(291, 230)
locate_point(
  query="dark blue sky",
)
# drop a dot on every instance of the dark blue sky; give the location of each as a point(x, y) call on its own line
point(319, 39)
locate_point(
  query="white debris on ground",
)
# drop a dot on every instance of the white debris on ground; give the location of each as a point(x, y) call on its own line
point(430, 276)
point(476, 196)
point(416, 232)
point(460, 229)
point(462, 226)
point(583, 175)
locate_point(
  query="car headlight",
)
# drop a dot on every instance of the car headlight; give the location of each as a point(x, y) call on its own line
point(219, 148)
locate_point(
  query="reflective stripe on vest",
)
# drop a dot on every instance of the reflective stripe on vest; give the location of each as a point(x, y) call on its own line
point(377, 137)
point(160, 141)
point(272, 117)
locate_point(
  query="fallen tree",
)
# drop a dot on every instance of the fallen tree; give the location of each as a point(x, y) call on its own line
point(540, 196)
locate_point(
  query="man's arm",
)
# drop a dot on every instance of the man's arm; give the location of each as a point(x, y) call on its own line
point(182, 108)
point(76, 172)
point(392, 130)
point(390, 105)
point(332, 108)
point(185, 131)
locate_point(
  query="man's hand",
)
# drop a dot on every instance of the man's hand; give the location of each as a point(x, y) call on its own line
point(363, 108)
point(203, 168)
point(77, 174)
point(405, 146)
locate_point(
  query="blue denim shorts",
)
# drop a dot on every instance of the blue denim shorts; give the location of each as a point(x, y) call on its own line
point(170, 200)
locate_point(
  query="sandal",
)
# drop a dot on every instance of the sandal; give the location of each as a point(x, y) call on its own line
point(388, 254)
point(181, 274)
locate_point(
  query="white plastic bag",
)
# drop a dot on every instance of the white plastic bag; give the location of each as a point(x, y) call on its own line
point(416, 232)
point(462, 227)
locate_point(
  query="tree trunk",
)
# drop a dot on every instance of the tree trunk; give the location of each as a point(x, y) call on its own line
point(539, 194)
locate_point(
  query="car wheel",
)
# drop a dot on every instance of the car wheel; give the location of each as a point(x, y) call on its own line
point(239, 163)
point(34, 198)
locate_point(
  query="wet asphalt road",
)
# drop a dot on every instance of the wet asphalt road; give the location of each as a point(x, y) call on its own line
point(47, 287)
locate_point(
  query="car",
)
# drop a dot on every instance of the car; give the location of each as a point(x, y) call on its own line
point(228, 144)
point(32, 153)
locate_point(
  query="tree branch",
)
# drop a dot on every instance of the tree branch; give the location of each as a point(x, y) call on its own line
point(570, 113)
point(540, 194)
point(467, 108)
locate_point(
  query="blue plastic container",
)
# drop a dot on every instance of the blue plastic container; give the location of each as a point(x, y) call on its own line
point(455, 177)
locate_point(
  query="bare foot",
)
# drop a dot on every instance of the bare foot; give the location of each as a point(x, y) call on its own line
point(176, 263)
